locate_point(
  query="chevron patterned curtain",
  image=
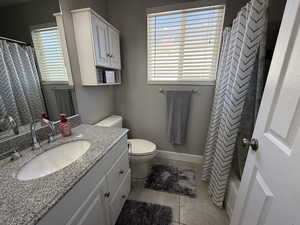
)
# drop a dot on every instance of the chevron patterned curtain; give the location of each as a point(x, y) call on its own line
point(238, 56)
point(20, 91)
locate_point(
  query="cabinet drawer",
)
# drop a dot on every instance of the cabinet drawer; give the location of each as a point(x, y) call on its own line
point(117, 173)
point(120, 198)
point(114, 153)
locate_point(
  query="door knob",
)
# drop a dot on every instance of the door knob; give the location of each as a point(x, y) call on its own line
point(253, 143)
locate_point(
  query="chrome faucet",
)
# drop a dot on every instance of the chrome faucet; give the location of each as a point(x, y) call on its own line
point(50, 124)
point(35, 142)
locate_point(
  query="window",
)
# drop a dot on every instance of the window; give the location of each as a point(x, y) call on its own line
point(183, 45)
point(49, 54)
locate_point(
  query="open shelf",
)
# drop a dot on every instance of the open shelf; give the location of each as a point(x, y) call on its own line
point(102, 78)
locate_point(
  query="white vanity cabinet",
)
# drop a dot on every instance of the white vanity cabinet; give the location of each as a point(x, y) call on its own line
point(97, 199)
point(98, 44)
point(94, 209)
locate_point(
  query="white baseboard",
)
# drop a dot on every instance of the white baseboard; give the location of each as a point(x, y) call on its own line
point(179, 156)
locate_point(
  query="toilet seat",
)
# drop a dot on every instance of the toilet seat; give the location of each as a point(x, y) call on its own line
point(140, 147)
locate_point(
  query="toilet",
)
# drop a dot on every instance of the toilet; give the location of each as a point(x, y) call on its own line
point(141, 152)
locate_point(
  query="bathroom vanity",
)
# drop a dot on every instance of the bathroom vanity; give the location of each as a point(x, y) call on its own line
point(89, 191)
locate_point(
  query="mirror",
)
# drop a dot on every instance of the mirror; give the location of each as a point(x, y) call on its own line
point(34, 79)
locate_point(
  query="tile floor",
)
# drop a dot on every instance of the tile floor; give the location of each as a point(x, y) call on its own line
point(186, 210)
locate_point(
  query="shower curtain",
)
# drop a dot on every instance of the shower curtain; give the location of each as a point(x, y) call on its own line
point(20, 91)
point(241, 44)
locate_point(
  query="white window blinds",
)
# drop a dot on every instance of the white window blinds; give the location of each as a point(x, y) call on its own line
point(49, 54)
point(183, 45)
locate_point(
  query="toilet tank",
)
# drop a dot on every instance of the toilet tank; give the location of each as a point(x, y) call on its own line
point(111, 121)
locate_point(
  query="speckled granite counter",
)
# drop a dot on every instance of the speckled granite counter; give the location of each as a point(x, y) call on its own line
point(25, 202)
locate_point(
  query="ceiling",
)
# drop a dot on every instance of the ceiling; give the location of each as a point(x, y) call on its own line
point(11, 2)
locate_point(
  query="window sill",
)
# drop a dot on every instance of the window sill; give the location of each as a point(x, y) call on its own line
point(192, 83)
point(55, 82)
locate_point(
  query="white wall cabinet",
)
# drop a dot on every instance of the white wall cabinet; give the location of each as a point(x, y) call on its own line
point(97, 199)
point(114, 48)
point(98, 44)
point(100, 40)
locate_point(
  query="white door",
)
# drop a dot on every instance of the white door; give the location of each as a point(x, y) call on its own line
point(270, 189)
point(95, 210)
point(114, 48)
point(101, 47)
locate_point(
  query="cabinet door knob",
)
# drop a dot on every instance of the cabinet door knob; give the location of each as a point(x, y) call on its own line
point(121, 172)
point(107, 194)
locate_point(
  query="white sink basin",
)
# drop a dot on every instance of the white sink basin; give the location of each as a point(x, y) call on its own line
point(53, 160)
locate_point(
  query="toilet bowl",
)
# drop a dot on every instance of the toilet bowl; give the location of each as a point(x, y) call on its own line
point(141, 152)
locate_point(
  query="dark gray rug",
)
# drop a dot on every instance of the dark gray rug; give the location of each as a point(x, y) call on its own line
point(142, 213)
point(172, 179)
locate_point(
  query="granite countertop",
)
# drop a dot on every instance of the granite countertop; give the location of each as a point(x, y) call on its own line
point(26, 202)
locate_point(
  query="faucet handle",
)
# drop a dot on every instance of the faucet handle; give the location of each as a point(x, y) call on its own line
point(13, 125)
point(36, 145)
point(15, 155)
point(50, 138)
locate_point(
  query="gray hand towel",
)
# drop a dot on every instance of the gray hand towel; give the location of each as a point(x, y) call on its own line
point(178, 107)
point(64, 101)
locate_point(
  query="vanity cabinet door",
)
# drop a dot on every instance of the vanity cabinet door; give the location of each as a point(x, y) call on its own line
point(94, 210)
point(100, 37)
point(120, 197)
point(114, 48)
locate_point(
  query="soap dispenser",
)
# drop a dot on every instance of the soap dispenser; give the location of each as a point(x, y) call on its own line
point(64, 126)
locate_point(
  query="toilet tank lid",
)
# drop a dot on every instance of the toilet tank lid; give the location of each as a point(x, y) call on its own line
point(109, 121)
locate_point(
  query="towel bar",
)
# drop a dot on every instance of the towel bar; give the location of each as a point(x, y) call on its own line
point(194, 91)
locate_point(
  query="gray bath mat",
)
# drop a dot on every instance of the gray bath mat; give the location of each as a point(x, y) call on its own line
point(142, 213)
point(172, 179)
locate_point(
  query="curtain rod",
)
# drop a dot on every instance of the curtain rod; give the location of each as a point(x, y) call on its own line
point(13, 40)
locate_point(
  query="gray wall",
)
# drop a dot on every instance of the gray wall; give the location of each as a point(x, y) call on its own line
point(141, 105)
point(15, 20)
point(94, 103)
